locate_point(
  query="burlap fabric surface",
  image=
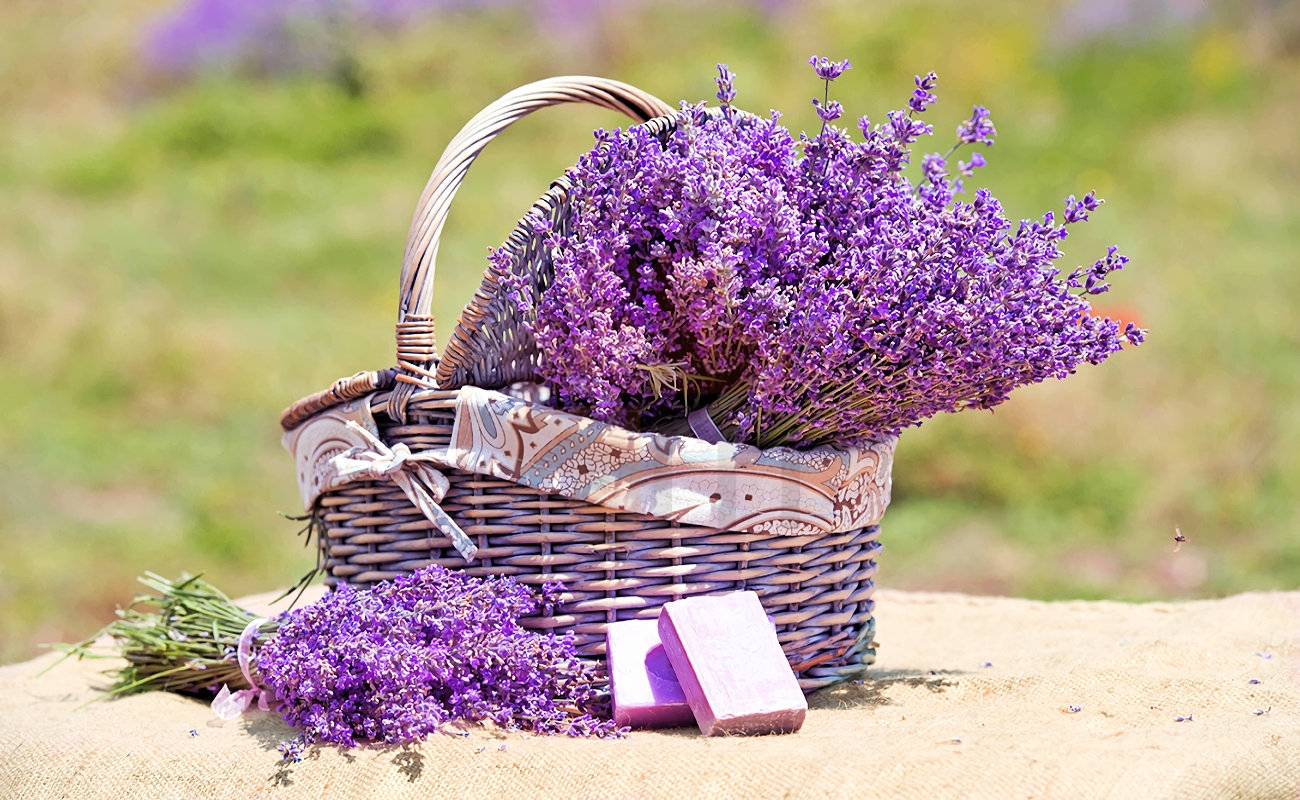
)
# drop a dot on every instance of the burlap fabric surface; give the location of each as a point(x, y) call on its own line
point(971, 697)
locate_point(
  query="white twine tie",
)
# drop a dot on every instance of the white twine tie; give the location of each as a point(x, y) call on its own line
point(415, 474)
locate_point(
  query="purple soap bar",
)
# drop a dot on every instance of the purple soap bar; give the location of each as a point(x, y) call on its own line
point(641, 681)
point(730, 665)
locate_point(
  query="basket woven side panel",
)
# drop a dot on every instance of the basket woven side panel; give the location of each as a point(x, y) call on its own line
point(614, 565)
point(490, 345)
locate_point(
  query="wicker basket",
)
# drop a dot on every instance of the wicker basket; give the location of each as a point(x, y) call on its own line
point(614, 564)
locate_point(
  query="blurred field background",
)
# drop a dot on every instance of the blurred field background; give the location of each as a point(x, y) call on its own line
point(193, 235)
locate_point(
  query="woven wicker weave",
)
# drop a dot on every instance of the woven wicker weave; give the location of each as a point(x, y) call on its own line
point(615, 565)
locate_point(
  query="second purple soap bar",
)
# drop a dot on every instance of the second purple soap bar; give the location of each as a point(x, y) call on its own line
point(730, 665)
point(642, 684)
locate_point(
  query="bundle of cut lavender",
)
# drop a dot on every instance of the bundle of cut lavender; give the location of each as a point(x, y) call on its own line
point(805, 292)
point(391, 664)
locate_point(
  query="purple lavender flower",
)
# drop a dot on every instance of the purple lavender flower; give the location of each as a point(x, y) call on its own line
point(938, 189)
point(671, 262)
point(967, 168)
point(1094, 280)
point(1134, 334)
point(292, 749)
point(395, 663)
point(1077, 210)
point(829, 70)
point(804, 292)
point(830, 111)
point(922, 96)
point(282, 36)
point(904, 130)
point(726, 81)
point(978, 129)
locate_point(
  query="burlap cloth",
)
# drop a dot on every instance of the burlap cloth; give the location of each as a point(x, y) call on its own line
point(971, 697)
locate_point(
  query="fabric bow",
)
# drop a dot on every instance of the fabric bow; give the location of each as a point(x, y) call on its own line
point(414, 473)
point(229, 705)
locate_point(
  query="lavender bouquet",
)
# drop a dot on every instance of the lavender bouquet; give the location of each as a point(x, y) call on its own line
point(803, 292)
point(391, 664)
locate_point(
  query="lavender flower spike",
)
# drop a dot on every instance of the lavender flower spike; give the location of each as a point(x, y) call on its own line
point(829, 70)
point(726, 81)
point(967, 169)
point(922, 97)
point(978, 129)
point(1134, 334)
point(1077, 210)
point(829, 112)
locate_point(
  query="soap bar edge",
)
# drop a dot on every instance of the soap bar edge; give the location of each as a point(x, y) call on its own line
point(686, 676)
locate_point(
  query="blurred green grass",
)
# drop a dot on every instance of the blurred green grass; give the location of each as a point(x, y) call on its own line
point(177, 263)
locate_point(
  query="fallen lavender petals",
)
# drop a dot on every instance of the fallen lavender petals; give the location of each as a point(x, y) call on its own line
point(292, 749)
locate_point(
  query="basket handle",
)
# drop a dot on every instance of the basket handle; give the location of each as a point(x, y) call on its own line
point(416, 351)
